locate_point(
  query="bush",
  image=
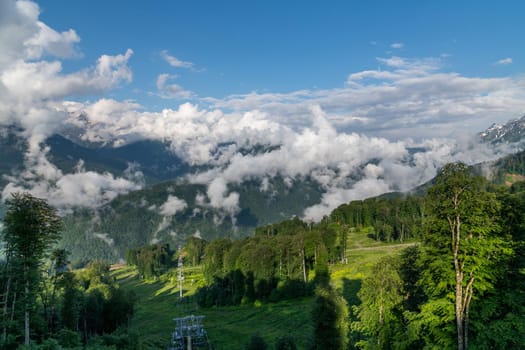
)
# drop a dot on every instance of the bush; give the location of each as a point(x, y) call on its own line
point(285, 343)
point(256, 343)
point(48, 344)
point(291, 289)
point(68, 338)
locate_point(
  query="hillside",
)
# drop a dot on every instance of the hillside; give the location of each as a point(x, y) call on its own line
point(231, 327)
point(380, 256)
point(403, 299)
point(137, 218)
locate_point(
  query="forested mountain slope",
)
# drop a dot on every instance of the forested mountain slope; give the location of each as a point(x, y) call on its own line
point(144, 216)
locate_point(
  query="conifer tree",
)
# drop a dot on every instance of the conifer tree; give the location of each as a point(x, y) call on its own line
point(32, 226)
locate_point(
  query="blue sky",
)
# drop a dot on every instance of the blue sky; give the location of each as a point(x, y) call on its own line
point(237, 47)
point(342, 90)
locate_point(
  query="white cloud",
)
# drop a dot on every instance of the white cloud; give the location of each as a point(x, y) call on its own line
point(220, 198)
point(42, 81)
point(51, 42)
point(504, 61)
point(23, 36)
point(397, 45)
point(172, 206)
point(105, 237)
point(336, 196)
point(32, 84)
point(316, 140)
point(169, 90)
point(405, 98)
point(174, 61)
point(355, 141)
point(80, 189)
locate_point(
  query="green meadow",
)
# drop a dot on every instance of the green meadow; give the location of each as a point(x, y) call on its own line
point(158, 302)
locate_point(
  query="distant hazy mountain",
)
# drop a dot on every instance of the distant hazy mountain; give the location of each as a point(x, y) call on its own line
point(143, 217)
point(513, 131)
point(153, 158)
point(12, 149)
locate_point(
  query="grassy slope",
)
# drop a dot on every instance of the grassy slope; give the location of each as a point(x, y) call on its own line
point(231, 327)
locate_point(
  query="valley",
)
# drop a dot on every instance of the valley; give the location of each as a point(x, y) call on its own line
point(262, 175)
point(232, 326)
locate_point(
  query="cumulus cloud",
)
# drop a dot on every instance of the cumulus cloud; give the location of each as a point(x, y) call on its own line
point(49, 41)
point(169, 90)
point(504, 61)
point(32, 93)
point(194, 133)
point(42, 80)
point(172, 206)
point(385, 129)
point(32, 84)
point(348, 165)
point(387, 174)
point(33, 89)
point(403, 98)
point(220, 198)
point(64, 191)
point(23, 36)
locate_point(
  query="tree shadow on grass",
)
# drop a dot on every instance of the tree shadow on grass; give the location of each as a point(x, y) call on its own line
point(350, 289)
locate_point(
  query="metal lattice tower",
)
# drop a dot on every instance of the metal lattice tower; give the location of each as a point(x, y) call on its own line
point(180, 276)
point(189, 334)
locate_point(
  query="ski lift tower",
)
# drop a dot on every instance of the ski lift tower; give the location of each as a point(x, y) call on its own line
point(180, 276)
point(189, 334)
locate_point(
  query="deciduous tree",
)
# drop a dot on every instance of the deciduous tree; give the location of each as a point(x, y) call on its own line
point(463, 238)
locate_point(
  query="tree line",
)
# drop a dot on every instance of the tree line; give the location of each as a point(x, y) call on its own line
point(274, 264)
point(463, 286)
point(280, 257)
point(151, 260)
point(43, 303)
point(391, 219)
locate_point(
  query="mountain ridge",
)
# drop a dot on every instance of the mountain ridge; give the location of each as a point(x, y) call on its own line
point(510, 132)
point(135, 218)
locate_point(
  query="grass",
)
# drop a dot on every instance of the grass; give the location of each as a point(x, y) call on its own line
point(231, 327)
point(227, 327)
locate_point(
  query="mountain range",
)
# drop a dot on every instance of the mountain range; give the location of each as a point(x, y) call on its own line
point(511, 132)
point(169, 205)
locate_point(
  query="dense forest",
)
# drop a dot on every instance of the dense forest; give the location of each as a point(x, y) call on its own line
point(43, 301)
point(280, 260)
point(462, 285)
point(135, 219)
point(458, 283)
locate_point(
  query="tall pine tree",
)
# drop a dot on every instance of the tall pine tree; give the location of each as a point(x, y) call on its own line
point(32, 226)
